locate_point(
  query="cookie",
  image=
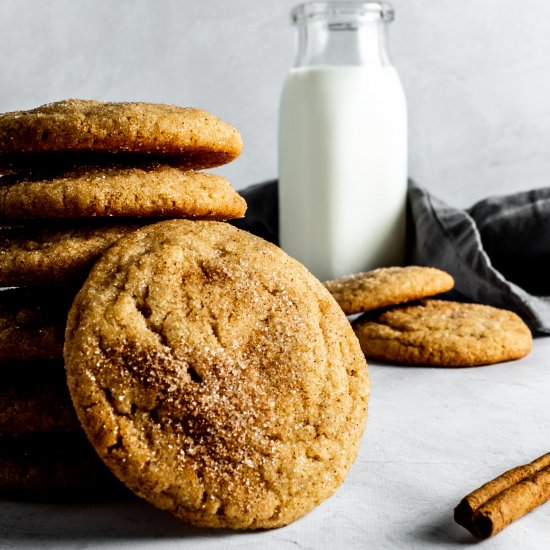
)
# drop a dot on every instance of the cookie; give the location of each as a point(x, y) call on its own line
point(387, 286)
point(78, 131)
point(146, 191)
point(32, 323)
point(34, 398)
point(443, 334)
point(56, 253)
point(215, 376)
point(53, 467)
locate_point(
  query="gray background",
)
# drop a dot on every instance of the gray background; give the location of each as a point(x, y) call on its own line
point(476, 75)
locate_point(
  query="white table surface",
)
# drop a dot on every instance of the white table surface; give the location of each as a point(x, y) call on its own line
point(432, 436)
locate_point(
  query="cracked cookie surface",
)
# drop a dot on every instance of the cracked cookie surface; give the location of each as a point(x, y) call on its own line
point(387, 286)
point(443, 333)
point(79, 131)
point(215, 375)
point(142, 191)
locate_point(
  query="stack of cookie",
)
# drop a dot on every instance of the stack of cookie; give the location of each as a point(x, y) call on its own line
point(78, 175)
point(401, 323)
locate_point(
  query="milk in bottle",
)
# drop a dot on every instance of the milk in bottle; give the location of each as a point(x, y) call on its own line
point(342, 143)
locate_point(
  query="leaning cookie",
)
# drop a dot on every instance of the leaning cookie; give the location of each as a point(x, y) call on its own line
point(152, 191)
point(215, 376)
point(387, 286)
point(74, 131)
point(444, 334)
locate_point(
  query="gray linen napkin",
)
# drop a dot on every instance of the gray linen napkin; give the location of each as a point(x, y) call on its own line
point(498, 250)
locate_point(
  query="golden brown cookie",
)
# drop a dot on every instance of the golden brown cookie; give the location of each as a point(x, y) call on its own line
point(32, 323)
point(443, 334)
point(55, 253)
point(34, 398)
point(55, 466)
point(75, 131)
point(147, 191)
point(215, 375)
point(387, 286)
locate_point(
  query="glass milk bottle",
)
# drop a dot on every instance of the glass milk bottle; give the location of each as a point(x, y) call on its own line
point(342, 142)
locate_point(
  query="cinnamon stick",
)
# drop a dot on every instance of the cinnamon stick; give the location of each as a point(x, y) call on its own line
point(489, 509)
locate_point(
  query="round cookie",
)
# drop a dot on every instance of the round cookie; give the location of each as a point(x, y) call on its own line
point(387, 286)
point(50, 467)
point(34, 398)
point(146, 191)
point(444, 334)
point(215, 376)
point(32, 323)
point(56, 253)
point(76, 131)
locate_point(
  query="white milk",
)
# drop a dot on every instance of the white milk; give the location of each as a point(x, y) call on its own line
point(343, 168)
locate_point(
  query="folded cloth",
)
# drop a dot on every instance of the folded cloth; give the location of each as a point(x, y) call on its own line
point(498, 251)
point(262, 213)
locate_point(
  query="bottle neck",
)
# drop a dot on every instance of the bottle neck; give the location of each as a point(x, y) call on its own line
point(342, 33)
point(324, 43)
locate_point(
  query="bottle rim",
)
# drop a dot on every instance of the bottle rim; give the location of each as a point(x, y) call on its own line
point(341, 10)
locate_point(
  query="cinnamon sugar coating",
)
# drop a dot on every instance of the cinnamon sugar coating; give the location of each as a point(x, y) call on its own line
point(140, 191)
point(387, 286)
point(76, 129)
point(215, 375)
point(55, 253)
point(443, 333)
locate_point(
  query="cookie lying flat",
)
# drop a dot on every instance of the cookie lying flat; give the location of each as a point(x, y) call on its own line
point(387, 286)
point(444, 334)
point(53, 467)
point(77, 131)
point(215, 376)
point(34, 399)
point(56, 253)
point(32, 323)
point(148, 191)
